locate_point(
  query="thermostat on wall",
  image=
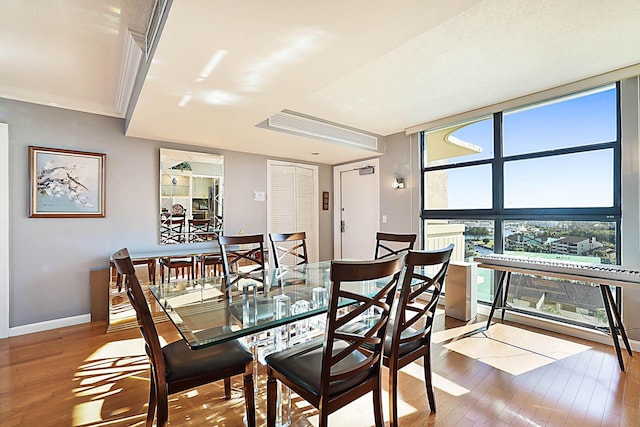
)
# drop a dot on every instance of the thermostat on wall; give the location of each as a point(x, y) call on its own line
point(258, 196)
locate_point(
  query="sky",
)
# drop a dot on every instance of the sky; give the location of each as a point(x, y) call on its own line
point(576, 180)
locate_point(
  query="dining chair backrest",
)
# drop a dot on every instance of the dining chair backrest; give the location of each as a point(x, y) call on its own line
point(415, 316)
point(175, 367)
point(391, 244)
point(289, 249)
point(411, 324)
point(384, 274)
point(124, 266)
point(172, 228)
point(242, 257)
point(199, 230)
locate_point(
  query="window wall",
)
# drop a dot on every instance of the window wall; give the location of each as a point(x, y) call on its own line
point(541, 180)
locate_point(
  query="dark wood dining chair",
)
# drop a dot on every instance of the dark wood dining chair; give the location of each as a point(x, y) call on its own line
point(179, 264)
point(335, 370)
point(199, 230)
point(391, 244)
point(175, 367)
point(409, 331)
point(172, 229)
point(289, 249)
point(151, 270)
point(206, 261)
point(242, 259)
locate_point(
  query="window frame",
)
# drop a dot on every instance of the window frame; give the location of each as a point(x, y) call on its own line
point(499, 214)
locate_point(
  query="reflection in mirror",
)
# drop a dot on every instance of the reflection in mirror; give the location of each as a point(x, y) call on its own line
point(191, 196)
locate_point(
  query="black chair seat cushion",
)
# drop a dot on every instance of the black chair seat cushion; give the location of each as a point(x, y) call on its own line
point(174, 261)
point(406, 347)
point(210, 259)
point(183, 363)
point(302, 365)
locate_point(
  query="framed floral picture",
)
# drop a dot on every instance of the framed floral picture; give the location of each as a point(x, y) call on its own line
point(66, 183)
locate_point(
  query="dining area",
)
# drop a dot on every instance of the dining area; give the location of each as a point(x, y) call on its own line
point(510, 374)
point(321, 332)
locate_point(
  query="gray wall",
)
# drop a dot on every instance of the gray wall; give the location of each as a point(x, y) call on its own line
point(401, 206)
point(50, 258)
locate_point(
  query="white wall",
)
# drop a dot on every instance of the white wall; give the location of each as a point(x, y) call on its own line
point(50, 258)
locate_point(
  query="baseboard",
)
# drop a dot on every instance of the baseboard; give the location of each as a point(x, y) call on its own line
point(49, 324)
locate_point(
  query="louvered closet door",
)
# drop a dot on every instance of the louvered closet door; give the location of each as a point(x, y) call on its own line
point(292, 196)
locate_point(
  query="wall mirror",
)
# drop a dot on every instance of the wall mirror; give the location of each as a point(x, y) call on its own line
point(191, 196)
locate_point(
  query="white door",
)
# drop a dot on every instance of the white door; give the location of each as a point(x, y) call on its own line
point(293, 202)
point(358, 208)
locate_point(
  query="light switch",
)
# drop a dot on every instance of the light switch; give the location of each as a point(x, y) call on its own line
point(384, 219)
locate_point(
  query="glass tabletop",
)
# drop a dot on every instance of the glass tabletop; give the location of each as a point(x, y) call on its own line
point(205, 313)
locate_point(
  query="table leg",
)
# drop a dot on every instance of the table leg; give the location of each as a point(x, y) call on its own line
point(151, 269)
point(498, 297)
point(119, 281)
point(283, 407)
point(615, 325)
point(504, 296)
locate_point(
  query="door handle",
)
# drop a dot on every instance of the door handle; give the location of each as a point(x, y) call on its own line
point(342, 226)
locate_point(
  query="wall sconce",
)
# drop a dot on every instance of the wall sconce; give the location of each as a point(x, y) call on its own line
point(398, 182)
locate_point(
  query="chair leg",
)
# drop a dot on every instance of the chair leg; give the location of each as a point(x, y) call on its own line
point(249, 399)
point(163, 406)
point(377, 405)
point(323, 418)
point(151, 270)
point(151, 411)
point(227, 388)
point(428, 383)
point(393, 398)
point(272, 397)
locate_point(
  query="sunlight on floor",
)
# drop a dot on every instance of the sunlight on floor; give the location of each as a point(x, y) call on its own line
point(118, 349)
point(439, 382)
point(449, 334)
point(360, 411)
point(99, 377)
point(513, 350)
point(87, 413)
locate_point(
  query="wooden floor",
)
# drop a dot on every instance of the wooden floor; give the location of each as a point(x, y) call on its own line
point(80, 376)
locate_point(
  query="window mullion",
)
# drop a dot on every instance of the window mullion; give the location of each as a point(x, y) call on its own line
point(498, 182)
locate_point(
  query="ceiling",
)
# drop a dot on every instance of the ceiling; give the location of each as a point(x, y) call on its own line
point(376, 66)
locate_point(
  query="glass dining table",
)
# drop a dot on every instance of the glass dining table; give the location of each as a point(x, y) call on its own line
point(205, 313)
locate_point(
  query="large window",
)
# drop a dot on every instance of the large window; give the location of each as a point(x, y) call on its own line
point(542, 180)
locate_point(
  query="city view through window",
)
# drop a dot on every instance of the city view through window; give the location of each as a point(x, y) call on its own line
point(557, 172)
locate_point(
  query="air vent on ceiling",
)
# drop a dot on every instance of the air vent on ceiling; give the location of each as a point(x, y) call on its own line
point(312, 128)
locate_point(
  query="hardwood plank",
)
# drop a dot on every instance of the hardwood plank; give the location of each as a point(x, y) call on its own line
point(82, 376)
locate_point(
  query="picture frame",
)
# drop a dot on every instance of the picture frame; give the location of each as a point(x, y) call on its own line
point(66, 183)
